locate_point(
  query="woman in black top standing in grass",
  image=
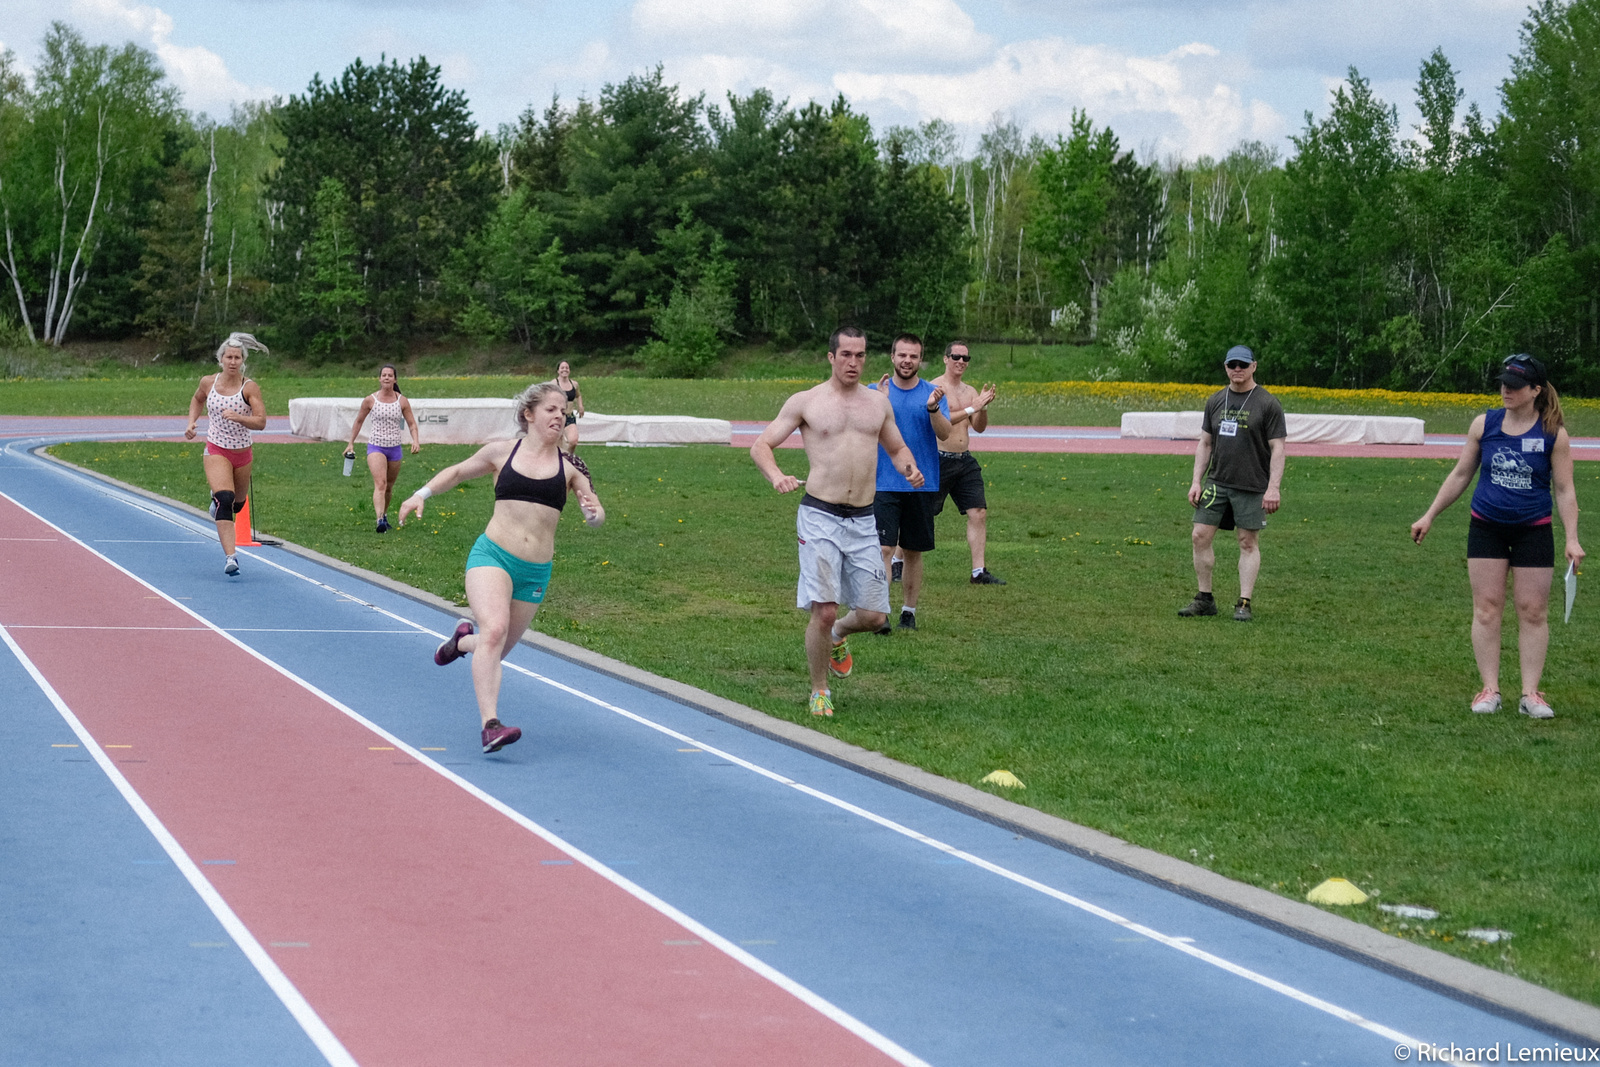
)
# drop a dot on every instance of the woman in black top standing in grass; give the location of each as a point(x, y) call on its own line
point(1523, 458)
point(508, 570)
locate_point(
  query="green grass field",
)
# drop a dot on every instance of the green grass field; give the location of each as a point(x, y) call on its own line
point(1329, 737)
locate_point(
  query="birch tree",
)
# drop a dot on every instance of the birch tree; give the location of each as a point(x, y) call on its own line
point(95, 123)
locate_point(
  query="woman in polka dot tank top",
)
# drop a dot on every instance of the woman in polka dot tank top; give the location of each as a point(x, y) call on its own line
point(234, 407)
point(387, 409)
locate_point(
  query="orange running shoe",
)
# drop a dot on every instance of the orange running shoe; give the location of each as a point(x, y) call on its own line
point(839, 659)
point(822, 704)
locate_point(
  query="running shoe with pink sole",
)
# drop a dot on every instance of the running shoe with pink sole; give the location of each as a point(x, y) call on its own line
point(497, 735)
point(450, 651)
point(1487, 702)
point(1535, 706)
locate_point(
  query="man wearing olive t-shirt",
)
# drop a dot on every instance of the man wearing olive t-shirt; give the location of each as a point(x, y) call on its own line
point(1240, 457)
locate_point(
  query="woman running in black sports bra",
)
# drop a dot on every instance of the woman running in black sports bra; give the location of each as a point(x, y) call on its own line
point(508, 570)
point(569, 389)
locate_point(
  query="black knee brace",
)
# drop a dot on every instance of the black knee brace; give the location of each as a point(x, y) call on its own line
point(222, 499)
point(238, 505)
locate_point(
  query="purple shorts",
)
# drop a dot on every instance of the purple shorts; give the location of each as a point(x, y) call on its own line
point(390, 452)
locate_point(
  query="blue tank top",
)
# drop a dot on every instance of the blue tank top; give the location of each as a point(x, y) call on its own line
point(1514, 476)
point(911, 416)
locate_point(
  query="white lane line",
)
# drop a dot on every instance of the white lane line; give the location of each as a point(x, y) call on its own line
point(304, 630)
point(1180, 943)
point(814, 1001)
point(329, 1045)
point(143, 541)
point(43, 626)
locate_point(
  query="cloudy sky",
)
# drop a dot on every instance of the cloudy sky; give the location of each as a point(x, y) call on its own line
point(1185, 77)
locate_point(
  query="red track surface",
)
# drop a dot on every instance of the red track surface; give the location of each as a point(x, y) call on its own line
point(422, 924)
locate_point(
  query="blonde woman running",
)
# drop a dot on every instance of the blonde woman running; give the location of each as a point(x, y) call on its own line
point(234, 408)
point(508, 570)
point(388, 409)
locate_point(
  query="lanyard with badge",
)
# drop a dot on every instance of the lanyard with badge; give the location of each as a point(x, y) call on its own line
point(1230, 427)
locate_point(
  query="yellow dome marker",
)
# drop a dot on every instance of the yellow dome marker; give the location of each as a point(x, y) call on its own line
point(1003, 778)
point(1336, 891)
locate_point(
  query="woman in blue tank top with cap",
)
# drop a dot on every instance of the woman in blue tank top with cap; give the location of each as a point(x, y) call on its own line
point(508, 570)
point(1523, 457)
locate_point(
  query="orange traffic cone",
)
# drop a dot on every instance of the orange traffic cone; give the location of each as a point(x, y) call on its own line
point(243, 535)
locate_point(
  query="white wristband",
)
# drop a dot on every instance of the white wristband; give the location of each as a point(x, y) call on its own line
point(971, 412)
point(423, 493)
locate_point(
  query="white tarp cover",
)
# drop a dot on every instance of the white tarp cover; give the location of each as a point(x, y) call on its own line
point(1303, 429)
point(479, 420)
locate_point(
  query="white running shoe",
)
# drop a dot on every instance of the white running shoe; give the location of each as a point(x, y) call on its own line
point(1535, 706)
point(231, 567)
point(1486, 703)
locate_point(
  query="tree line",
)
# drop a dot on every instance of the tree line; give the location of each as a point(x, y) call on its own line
point(371, 210)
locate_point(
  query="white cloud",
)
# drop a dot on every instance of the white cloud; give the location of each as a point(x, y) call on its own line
point(1174, 103)
point(199, 73)
point(826, 31)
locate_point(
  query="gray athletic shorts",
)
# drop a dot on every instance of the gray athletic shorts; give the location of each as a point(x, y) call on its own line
point(840, 561)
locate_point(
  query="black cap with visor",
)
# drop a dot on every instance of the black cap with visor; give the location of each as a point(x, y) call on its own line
point(1520, 370)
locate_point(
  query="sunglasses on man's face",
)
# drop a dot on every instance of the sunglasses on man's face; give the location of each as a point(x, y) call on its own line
point(960, 357)
point(1236, 365)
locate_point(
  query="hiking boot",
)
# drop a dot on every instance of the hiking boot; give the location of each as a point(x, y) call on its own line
point(839, 659)
point(987, 577)
point(1487, 702)
point(908, 620)
point(497, 735)
point(1535, 706)
point(895, 569)
point(822, 704)
point(1241, 610)
point(450, 651)
point(1199, 606)
point(231, 567)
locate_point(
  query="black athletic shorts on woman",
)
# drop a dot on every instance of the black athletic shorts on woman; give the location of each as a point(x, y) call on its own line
point(1532, 545)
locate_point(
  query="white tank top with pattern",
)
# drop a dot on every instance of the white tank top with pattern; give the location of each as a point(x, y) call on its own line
point(384, 422)
point(225, 433)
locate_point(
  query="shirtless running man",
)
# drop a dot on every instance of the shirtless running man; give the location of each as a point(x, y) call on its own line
point(960, 477)
point(841, 423)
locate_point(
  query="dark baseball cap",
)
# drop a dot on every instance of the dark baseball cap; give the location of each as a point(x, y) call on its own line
point(1238, 354)
point(1522, 369)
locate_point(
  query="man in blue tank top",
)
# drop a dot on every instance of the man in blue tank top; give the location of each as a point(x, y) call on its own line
point(905, 512)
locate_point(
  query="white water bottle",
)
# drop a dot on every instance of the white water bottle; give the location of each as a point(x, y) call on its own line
point(349, 462)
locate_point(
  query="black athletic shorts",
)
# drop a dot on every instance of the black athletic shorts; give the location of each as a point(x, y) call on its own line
point(961, 479)
point(906, 519)
point(1524, 546)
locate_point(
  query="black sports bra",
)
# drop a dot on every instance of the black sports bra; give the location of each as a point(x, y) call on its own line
point(513, 485)
point(571, 394)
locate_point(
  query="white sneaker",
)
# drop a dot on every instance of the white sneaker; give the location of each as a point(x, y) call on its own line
point(231, 567)
point(1534, 706)
point(1486, 703)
